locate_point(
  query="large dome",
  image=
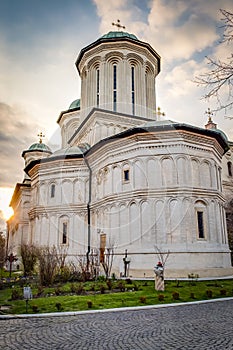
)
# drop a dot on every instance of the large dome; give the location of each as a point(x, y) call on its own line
point(115, 34)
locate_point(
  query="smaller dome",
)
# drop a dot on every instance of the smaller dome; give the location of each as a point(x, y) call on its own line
point(113, 34)
point(39, 146)
point(74, 150)
point(75, 104)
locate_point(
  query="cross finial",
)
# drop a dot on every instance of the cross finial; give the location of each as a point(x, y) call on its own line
point(209, 115)
point(118, 25)
point(159, 113)
point(41, 136)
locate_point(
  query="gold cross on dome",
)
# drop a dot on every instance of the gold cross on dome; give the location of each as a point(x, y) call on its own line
point(159, 113)
point(118, 25)
point(41, 136)
point(209, 115)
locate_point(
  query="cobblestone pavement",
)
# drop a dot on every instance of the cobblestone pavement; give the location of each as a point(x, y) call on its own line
point(197, 326)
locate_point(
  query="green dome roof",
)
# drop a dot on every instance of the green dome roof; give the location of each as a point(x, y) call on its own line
point(69, 151)
point(218, 131)
point(39, 146)
point(111, 35)
point(75, 104)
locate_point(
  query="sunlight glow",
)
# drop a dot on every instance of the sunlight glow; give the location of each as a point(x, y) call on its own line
point(5, 197)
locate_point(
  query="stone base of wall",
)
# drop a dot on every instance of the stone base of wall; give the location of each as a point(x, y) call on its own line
point(183, 273)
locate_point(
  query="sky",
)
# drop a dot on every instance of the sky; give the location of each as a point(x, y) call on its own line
point(40, 41)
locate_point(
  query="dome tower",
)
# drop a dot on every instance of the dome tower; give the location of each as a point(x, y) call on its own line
point(118, 73)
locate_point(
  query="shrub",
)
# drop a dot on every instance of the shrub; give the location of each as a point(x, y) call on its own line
point(89, 304)
point(102, 288)
point(161, 297)
point(109, 284)
point(142, 299)
point(58, 306)
point(192, 296)
point(223, 292)
point(16, 294)
point(35, 308)
point(79, 288)
point(57, 291)
point(209, 293)
point(128, 281)
point(175, 296)
point(121, 286)
point(40, 291)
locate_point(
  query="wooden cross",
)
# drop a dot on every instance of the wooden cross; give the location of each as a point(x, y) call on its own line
point(159, 113)
point(209, 115)
point(40, 135)
point(118, 25)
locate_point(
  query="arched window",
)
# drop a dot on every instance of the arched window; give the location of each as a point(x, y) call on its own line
point(133, 89)
point(114, 87)
point(97, 87)
point(229, 167)
point(201, 217)
point(52, 193)
point(64, 232)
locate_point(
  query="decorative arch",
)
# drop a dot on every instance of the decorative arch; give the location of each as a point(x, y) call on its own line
point(205, 174)
point(94, 63)
point(195, 168)
point(168, 171)
point(114, 57)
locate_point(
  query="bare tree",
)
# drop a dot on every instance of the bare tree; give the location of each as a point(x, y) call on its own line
point(2, 250)
point(219, 76)
point(48, 265)
point(89, 269)
point(162, 256)
point(29, 255)
point(229, 218)
point(107, 258)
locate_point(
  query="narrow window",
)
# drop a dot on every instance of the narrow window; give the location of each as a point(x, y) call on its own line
point(114, 88)
point(200, 224)
point(132, 90)
point(229, 166)
point(97, 87)
point(126, 175)
point(64, 233)
point(102, 246)
point(52, 191)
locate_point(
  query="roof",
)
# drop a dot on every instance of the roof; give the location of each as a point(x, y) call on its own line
point(75, 104)
point(164, 125)
point(117, 34)
point(39, 146)
point(70, 151)
point(152, 126)
point(115, 37)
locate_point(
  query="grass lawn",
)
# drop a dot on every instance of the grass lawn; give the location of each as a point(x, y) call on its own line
point(136, 293)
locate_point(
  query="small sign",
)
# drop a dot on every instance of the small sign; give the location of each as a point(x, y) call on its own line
point(27, 293)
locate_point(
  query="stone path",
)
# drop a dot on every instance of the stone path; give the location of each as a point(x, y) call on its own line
point(197, 326)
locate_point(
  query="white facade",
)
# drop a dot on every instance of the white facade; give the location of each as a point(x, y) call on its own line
point(140, 182)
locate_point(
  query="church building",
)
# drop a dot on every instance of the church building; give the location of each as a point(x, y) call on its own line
point(125, 176)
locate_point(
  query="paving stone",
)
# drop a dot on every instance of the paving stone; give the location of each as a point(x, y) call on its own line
point(198, 326)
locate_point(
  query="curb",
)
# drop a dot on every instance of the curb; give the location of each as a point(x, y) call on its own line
point(131, 308)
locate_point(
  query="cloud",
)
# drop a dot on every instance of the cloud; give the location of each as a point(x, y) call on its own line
point(17, 134)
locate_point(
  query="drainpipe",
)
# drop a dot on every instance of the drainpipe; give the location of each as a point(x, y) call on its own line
point(88, 213)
